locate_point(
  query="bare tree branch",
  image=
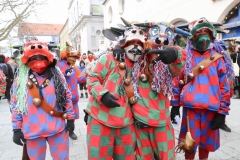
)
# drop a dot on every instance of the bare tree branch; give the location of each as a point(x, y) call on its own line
point(19, 11)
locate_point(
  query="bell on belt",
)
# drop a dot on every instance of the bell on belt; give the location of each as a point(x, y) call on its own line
point(37, 101)
point(132, 100)
point(122, 65)
point(143, 77)
point(190, 75)
point(201, 68)
point(127, 81)
point(29, 85)
point(51, 112)
point(181, 82)
point(212, 57)
point(64, 115)
point(153, 87)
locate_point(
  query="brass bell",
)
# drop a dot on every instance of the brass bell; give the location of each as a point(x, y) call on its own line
point(201, 68)
point(37, 101)
point(65, 115)
point(122, 65)
point(221, 52)
point(51, 112)
point(143, 77)
point(212, 57)
point(153, 87)
point(190, 75)
point(181, 82)
point(29, 85)
point(132, 100)
point(127, 81)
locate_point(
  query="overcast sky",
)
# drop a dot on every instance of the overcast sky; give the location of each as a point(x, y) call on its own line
point(53, 12)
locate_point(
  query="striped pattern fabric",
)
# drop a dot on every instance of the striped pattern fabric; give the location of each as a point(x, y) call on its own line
point(151, 109)
point(209, 90)
point(200, 129)
point(155, 140)
point(58, 145)
point(107, 143)
point(37, 123)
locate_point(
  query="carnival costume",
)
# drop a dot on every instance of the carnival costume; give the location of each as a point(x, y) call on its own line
point(41, 101)
point(122, 89)
point(202, 90)
point(72, 75)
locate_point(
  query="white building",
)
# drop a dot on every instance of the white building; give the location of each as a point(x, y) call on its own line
point(86, 24)
point(173, 11)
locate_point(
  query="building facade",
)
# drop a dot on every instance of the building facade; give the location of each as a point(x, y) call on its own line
point(86, 24)
point(64, 34)
point(176, 11)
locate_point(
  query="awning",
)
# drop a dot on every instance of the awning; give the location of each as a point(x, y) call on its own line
point(231, 25)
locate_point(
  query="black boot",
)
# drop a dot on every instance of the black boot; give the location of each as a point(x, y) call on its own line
point(81, 95)
point(73, 135)
point(86, 95)
point(225, 128)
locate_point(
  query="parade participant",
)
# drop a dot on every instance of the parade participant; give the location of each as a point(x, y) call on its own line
point(120, 84)
point(202, 90)
point(72, 75)
point(41, 101)
point(89, 62)
point(82, 85)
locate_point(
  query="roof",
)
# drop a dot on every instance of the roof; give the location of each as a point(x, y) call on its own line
point(38, 29)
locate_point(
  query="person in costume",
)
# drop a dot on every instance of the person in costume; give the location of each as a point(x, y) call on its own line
point(83, 85)
point(202, 90)
point(122, 89)
point(40, 102)
point(89, 62)
point(73, 78)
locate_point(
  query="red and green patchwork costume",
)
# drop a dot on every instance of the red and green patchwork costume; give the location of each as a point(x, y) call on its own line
point(152, 109)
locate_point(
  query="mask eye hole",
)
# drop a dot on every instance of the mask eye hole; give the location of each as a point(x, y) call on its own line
point(169, 33)
point(32, 47)
point(141, 32)
point(155, 31)
point(40, 46)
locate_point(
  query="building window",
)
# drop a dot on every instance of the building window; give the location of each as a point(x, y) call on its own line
point(110, 14)
point(121, 6)
point(98, 32)
point(93, 40)
point(96, 10)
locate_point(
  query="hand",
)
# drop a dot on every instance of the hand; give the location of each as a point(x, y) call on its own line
point(18, 137)
point(167, 55)
point(119, 53)
point(217, 121)
point(86, 116)
point(109, 100)
point(70, 126)
point(69, 71)
point(174, 112)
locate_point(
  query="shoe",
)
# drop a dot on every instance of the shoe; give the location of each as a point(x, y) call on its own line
point(73, 136)
point(81, 95)
point(235, 97)
point(86, 94)
point(225, 128)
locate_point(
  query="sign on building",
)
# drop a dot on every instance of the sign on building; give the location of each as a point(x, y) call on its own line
point(101, 45)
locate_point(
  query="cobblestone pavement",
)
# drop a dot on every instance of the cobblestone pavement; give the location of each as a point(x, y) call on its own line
point(229, 149)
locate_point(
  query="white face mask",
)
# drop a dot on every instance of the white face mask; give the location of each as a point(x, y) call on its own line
point(133, 52)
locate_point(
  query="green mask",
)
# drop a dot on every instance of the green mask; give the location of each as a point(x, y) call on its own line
point(201, 43)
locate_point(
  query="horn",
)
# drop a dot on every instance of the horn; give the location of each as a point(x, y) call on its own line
point(182, 32)
point(142, 25)
point(128, 24)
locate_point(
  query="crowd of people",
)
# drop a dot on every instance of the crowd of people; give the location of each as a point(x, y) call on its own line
point(128, 115)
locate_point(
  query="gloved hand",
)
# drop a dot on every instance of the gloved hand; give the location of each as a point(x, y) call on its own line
point(70, 126)
point(167, 55)
point(85, 117)
point(109, 100)
point(69, 71)
point(18, 137)
point(217, 121)
point(119, 53)
point(174, 112)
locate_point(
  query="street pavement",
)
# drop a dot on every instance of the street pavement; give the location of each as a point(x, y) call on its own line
point(229, 150)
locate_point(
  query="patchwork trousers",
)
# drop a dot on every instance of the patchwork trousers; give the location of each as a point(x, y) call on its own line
point(155, 140)
point(58, 145)
point(76, 110)
point(200, 129)
point(106, 143)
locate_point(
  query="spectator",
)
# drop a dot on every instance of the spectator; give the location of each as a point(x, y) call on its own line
point(82, 85)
